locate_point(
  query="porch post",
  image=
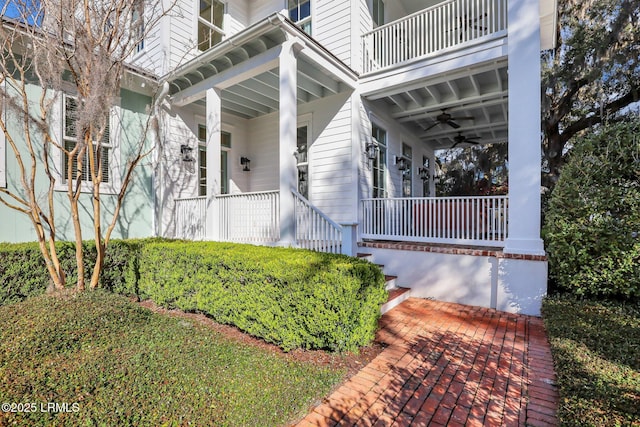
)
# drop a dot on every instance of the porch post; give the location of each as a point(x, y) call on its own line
point(214, 120)
point(287, 132)
point(524, 128)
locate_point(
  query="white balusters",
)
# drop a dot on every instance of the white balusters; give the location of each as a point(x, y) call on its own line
point(459, 220)
point(439, 27)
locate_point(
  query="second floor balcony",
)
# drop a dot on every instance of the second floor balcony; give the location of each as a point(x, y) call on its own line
point(433, 30)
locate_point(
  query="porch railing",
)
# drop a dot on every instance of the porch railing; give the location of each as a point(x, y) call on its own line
point(314, 229)
point(250, 217)
point(190, 218)
point(439, 27)
point(478, 220)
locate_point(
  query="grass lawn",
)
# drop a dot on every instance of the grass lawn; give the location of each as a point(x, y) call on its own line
point(116, 363)
point(596, 350)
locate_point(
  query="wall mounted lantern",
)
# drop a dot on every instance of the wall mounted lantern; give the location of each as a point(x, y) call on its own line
point(185, 152)
point(372, 150)
point(402, 163)
point(244, 161)
point(423, 173)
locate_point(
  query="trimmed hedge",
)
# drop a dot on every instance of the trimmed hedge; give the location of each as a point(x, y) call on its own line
point(23, 273)
point(293, 298)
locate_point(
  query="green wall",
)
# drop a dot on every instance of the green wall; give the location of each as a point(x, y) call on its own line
point(136, 215)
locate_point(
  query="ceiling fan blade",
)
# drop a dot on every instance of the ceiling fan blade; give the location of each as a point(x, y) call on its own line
point(463, 118)
point(432, 126)
point(453, 124)
point(471, 141)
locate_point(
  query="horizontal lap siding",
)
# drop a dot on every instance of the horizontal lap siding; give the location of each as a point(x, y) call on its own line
point(263, 152)
point(260, 9)
point(182, 33)
point(331, 26)
point(332, 189)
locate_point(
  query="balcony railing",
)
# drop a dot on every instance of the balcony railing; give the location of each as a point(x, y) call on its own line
point(439, 27)
point(480, 221)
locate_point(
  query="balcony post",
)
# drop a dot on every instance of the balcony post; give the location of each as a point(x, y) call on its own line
point(213, 122)
point(288, 119)
point(524, 128)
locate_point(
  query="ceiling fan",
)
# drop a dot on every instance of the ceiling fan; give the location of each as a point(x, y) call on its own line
point(446, 118)
point(461, 139)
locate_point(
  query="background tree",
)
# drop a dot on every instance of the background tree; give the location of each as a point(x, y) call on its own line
point(75, 47)
point(592, 75)
point(473, 171)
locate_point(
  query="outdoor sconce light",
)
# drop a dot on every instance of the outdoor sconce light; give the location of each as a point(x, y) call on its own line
point(372, 151)
point(185, 152)
point(244, 161)
point(402, 163)
point(423, 173)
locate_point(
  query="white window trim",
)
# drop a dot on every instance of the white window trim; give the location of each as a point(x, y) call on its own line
point(384, 18)
point(387, 176)
point(307, 120)
point(301, 22)
point(209, 24)
point(115, 128)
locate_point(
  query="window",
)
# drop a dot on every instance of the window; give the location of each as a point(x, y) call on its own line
point(225, 147)
point(202, 160)
point(302, 160)
point(426, 191)
point(102, 149)
point(137, 26)
point(210, 24)
point(378, 12)
point(300, 13)
point(406, 174)
point(380, 162)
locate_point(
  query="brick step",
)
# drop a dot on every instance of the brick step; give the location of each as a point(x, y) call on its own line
point(396, 296)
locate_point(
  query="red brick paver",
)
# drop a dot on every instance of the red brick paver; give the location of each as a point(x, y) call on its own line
point(449, 365)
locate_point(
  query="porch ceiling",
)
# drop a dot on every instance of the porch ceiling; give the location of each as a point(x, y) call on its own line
point(479, 93)
point(245, 67)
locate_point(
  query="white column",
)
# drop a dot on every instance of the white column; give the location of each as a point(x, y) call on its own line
point(214, 120)
point(287, 131)
point(524, 128)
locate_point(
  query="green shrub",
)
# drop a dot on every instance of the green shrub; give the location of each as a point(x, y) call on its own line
point(23, 273)
point(592, 228)
point(293, 298)
point(289, 297)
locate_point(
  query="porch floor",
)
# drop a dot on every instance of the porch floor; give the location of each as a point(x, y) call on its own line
point(444, 248)
point(449, 364)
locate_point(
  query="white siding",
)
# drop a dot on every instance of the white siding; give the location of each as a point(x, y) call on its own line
point(263, 148)
point(331, 26)
point(260, 9)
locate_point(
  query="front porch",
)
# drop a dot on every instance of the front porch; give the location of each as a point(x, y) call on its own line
point(255, 218)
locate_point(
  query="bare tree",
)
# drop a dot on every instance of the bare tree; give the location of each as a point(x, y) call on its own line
point(77, 53)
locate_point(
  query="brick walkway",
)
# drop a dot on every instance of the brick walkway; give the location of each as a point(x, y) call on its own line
point(449, 365)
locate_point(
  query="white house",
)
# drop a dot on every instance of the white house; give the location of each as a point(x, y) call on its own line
point(313, 123)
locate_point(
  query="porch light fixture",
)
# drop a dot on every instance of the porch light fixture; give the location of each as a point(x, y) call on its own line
point(185, 152)
point(244, 161)
point(423, 173)
point(372, 150)
point(402, 163)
